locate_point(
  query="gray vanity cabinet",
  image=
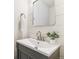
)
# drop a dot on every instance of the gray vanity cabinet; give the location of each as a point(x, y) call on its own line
point(27, 53)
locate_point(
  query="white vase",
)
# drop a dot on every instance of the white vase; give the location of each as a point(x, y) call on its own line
point(52, 41)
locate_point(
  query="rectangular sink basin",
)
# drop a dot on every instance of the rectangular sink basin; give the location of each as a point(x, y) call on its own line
point(42, 47)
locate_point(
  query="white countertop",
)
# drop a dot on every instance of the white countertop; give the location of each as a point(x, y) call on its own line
point(44, 48)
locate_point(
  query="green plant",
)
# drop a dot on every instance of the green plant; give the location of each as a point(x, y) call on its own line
point(53, 35)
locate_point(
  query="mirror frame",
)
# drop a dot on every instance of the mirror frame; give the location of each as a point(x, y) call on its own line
point(43, 25)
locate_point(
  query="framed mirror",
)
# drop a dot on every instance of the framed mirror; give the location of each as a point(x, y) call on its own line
point(43, 13)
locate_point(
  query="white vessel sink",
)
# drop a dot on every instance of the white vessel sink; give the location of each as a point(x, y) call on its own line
point(42, 47)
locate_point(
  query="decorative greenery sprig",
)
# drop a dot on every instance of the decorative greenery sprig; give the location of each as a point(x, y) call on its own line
point(53, 35)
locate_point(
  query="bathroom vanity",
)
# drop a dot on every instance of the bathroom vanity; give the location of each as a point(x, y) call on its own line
point(34, 49)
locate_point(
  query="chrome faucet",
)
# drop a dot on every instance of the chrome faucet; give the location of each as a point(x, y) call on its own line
point(39, 36)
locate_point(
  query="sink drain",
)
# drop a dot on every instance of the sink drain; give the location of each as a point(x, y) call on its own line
point(36, 47)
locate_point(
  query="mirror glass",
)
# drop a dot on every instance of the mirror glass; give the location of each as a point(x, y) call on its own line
point(43, 13)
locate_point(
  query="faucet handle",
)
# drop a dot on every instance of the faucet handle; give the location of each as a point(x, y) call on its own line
point(43, 38)
point(38, 33)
